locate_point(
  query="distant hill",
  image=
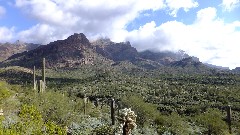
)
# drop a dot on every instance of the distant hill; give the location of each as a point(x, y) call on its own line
point(218, 67)
point(9, 49)
point(165, 57)
point(236, 70)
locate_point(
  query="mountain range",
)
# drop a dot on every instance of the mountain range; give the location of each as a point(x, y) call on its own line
point(9, 49)
point(77, 51)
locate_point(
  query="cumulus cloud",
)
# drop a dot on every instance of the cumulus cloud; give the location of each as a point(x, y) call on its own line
point(208, 38)
point(2, 11)
point(6, 34)
point(40, 33)
point(94, 18)
point(229, 5)
point(106, 18)
point(149, 37)
point(175, 5)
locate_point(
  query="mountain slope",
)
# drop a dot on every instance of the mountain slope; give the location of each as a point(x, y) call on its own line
point(165, 57)
point(76, 50)
point(192, 65)
point(8, 49)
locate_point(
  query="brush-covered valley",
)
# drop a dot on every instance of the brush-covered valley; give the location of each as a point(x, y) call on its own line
point(78, 87)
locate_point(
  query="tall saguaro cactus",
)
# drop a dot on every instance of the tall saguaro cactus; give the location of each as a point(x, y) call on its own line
point(85, 104)
point(113, 111)
point(229, 120)
point(43, 74)
point(34, 79)
point(40, 86)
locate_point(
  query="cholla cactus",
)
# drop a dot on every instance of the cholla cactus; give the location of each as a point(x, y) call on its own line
point(127, 117)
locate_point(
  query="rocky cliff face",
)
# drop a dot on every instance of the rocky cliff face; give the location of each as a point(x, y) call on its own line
point(116, 51)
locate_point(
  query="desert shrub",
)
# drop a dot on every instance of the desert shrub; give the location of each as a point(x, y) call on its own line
point(30, 121)
point(86, 126)
point(54, 106)
point(146, 112)
point(173, 124)
point(53, 129)
point(104, 130)
point(212, 121)
point(4, 91)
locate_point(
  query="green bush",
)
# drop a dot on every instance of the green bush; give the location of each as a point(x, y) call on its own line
point(145, 112)
point(173, 124)
point(104, 130)
point(31, 122)
point(212, 121)
point(4, 91)
point(55, 106)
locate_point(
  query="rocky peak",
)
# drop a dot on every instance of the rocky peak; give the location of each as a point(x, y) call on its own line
point(71, 44)
point(190, 61)
point(115, 51)
point(102, 42)
point(77, 37)
point(19, 43)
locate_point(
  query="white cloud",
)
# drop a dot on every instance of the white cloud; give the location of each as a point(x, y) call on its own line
point(93, 18)
point(208, 38)
point(148, 37)
point(6, 34)
point(229, 5)
point(2, 11)
point(175, 5)
point(206, 15)
point(40, 33)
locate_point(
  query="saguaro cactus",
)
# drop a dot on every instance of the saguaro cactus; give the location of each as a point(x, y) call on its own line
point(85, 104)
point(40, 86)
point(113, 111)
point(229, 120)
point(43, 74)
point(97, 102)
point(34, 79)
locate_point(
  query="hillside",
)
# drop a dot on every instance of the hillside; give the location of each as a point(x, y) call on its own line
point(74, 51)
point(9, 49)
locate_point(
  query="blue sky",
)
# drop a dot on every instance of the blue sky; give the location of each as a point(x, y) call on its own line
point(207, 30)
